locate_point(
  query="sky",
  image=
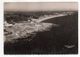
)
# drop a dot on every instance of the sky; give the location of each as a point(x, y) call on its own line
point(40, 6)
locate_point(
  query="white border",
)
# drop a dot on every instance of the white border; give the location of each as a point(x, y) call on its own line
point(1, 27)
point(40, 0)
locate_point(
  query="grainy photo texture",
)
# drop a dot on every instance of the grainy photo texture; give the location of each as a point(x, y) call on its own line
point(40, 28)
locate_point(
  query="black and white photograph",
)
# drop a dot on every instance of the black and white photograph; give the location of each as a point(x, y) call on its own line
point(40, 28)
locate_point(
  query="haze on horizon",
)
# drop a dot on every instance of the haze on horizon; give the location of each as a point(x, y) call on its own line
point(40, 6)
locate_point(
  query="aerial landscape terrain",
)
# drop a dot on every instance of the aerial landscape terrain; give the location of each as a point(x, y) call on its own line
point(41, 32)
point(40, 28)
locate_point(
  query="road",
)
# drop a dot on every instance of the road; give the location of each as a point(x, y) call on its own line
point(49, 17)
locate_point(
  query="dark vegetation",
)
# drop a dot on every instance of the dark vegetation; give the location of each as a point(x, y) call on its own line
point(24, 16)
point(49, 42)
